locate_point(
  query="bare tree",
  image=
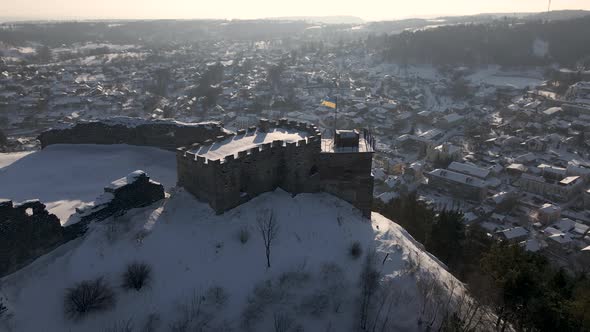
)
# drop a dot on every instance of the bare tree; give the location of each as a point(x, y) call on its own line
point(282, 322)
point(269, 229)
point(369, 282)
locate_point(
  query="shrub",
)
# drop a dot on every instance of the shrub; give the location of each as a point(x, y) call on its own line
point(151, 323)
point(282, 322)
point(88, 296)
point(355, 250)
point(121, 326)
point(264, 294)
point(217, 296)
point(290, 279)
point(3, 308)
point(137, 276)
point(316, 304)
point(244, 235)
point(331, 273)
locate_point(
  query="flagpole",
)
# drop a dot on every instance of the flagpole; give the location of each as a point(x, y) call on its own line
point(336, 115)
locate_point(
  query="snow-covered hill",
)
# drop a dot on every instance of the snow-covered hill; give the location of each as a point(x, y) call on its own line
point(192, 250)
point(205, 274)
point(67, 176)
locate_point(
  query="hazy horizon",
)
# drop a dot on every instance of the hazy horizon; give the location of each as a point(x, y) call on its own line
point(370, 10)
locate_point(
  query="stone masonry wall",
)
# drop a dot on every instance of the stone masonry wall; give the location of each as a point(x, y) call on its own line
point(297, 167)
point(137, 193)
point(348, 176)
point(232, 181)
point(163, 134)
point(27, 231)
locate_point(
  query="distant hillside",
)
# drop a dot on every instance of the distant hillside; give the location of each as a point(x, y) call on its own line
point(552, 15)
point(507, 42)
point(558, 15)
point(323, 19)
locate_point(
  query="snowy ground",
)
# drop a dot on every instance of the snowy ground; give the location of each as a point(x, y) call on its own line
point(66, 176)
point(6, 159)
point(191, 250)
point(313, 278)
point(495, 76)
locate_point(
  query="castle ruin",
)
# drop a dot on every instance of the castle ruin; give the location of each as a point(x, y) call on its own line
point(290, 155)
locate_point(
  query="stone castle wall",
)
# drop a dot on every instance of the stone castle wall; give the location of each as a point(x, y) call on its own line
point(27, 231)
point(139, 192)
point(234, 180)
point(348, 176)
point(296, 167)
point(163, 134)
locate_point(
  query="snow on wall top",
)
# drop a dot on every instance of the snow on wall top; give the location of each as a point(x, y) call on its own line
point(130, 178)
point(235, 144)
point(130, 122)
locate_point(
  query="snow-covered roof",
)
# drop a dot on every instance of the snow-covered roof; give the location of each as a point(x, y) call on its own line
point(570, 180)
point(517, 167)
point(549, 231)
point(453, 117)
point(565, 224)
point(549, 208)
point(552, 110)
point(458, 177)
point(469, 169)
point(561, 238)
point(581, 229)
point(532, 245)
point(513, 233)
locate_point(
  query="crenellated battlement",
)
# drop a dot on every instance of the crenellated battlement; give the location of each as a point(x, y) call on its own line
point(312, 140)
point(232, 168)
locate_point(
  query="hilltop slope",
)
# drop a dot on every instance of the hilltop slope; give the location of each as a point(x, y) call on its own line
point(314, 281)
point(192, 250)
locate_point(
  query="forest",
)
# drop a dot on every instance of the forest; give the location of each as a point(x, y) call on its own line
point(504, 42)
point(523, 289)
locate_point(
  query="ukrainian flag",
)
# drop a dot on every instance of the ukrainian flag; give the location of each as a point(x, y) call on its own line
point(329, 102)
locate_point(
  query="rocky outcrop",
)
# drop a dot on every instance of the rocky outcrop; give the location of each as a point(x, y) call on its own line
point(133, 191)
point(27, 231)
point(165, 134)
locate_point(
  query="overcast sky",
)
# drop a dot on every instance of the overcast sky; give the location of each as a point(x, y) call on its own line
point(248, 9)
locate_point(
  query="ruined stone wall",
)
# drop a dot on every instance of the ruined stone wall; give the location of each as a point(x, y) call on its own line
point(139, 193)
point(27, 231)
point(234, 180)
point(348, 176)
point(163, 134)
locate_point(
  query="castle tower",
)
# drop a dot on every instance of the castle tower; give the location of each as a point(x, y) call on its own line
point(345, 168)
